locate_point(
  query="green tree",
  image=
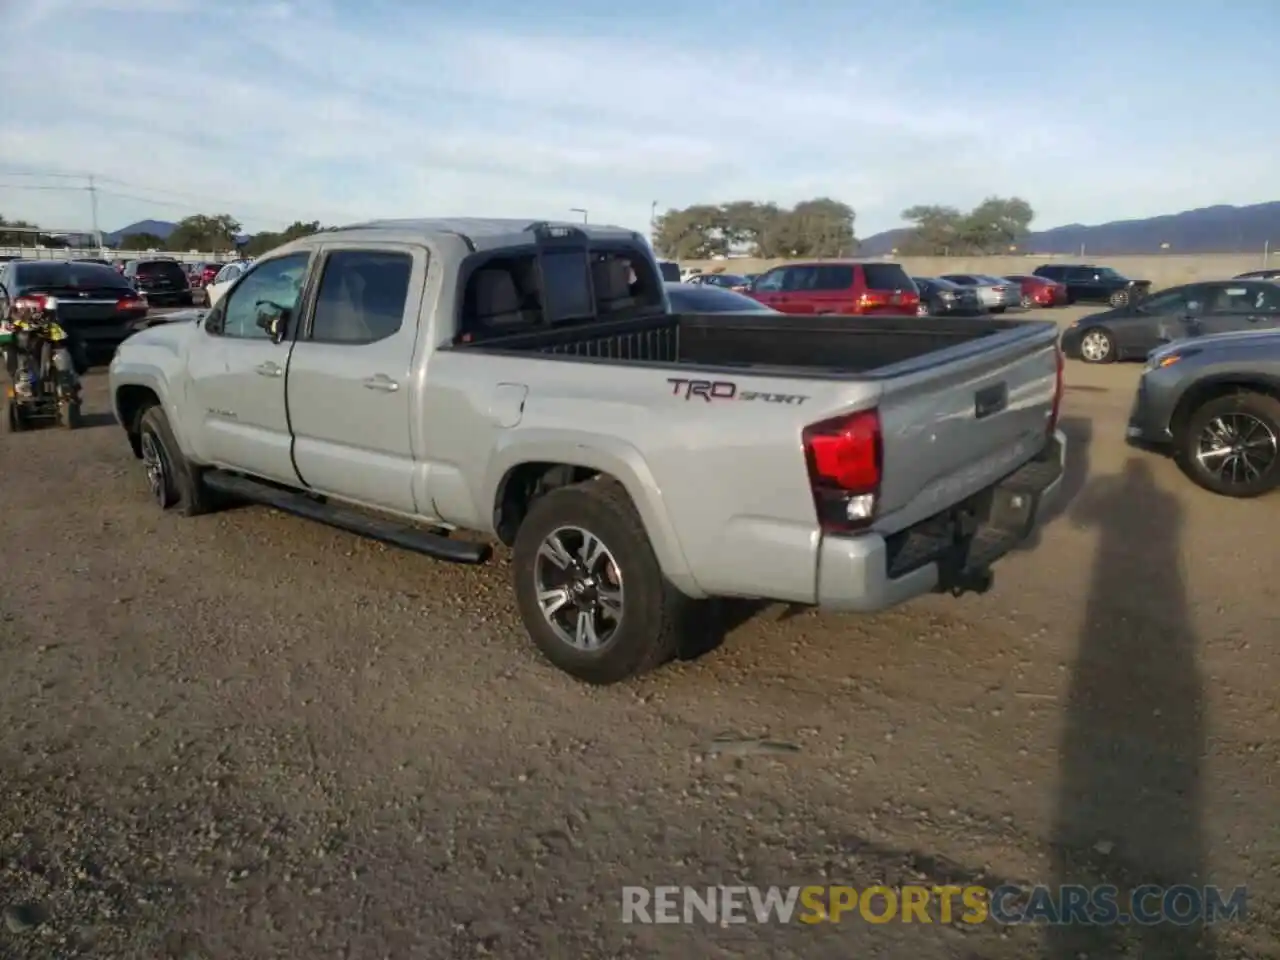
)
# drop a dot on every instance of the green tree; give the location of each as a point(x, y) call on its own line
point(215, 234)
point(815, 228)
point(142, 241)
point(268, 240)
point(991, 227)
point(12, 239)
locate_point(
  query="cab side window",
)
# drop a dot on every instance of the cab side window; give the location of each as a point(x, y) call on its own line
point(362, 296)
point(273, 285)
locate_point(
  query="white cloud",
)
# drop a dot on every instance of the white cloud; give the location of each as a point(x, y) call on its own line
point(287, 110)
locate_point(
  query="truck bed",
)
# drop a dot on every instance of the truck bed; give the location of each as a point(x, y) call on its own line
point(828, 346)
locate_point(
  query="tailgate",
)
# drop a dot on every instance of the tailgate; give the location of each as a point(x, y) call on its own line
point(958, 420)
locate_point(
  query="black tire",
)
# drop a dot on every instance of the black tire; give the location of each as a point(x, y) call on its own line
point(1239, 408)
point(1104, 352)
point(69, 416)
point(1118, 298)
point(997, 309)
point(179, 487)
point(13, 420)
point(654, 616)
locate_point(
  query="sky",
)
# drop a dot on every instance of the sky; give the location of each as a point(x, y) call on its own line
point(342, 110)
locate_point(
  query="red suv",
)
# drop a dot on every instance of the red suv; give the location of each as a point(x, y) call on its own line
point(848, 287)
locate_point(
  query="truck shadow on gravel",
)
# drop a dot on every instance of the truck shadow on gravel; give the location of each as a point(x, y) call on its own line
point(1129, 801)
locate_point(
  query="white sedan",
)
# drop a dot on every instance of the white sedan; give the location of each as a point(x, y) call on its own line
point(225, 278)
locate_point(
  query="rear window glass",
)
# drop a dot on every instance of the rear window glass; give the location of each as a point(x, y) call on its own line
point(66, 275)
point(886, 276)
point(161, 268)
point(670, 271)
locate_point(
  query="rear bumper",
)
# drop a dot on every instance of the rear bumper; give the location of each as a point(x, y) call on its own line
point(950, 552)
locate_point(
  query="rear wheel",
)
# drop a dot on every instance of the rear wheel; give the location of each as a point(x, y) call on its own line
point(1231, 445)
point(589, 588)
point(1097, 346)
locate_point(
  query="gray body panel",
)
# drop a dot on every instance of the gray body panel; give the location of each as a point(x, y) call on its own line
point(722, 488)
point(1240, 358)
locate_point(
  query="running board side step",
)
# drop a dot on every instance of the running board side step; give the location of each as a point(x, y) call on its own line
point(403, 535)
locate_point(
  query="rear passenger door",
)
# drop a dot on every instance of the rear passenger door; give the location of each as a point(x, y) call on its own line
point(349, 386)
point(833, 289)
point(1246, 305)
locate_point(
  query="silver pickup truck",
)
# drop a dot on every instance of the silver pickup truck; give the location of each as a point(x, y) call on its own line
point(411, 379)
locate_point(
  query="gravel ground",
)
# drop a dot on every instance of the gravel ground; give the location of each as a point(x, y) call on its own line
point(248, 736)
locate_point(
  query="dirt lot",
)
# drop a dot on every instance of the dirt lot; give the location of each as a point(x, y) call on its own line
point(246, 736)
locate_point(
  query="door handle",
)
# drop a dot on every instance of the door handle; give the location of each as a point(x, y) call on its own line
point(381, 382)
point(270, 369)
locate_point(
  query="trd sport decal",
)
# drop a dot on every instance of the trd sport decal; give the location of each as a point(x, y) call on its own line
point(710, 390)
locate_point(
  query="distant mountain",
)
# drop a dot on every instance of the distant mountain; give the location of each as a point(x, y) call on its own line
point(161, 228)
point(1220, 229)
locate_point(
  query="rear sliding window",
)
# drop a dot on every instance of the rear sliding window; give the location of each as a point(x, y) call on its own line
point(834, 277)
point(670, 271)
point(64, 276)
point(886, 276)
point(521, 292)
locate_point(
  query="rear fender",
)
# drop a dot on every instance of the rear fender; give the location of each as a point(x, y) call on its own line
point(607, 455)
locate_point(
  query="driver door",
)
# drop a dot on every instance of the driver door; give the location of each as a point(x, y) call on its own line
point(236, 387)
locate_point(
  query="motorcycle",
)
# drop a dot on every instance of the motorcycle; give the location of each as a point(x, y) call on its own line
point(29, 330)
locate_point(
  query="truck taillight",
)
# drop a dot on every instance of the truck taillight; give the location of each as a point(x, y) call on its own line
point(1057, 390)
point(845, 457)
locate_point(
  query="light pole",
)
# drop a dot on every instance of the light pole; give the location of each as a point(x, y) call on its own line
point(653, 221)
point(580, 210)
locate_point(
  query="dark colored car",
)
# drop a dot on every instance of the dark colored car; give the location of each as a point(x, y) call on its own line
point(727, 281)
point(1039, 291)
point(1270, 274)
point(942, 298)
point(670, 270)
point(1132, 331)
point(708, 298)
point(94, 304)
point(1086, 282)
point(846, 287)
point(105, 263)
point(164, 282)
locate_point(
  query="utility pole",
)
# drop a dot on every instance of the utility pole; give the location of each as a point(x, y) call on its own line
point(93, 210)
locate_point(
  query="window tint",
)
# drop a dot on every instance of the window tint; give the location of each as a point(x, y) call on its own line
point(362, 296)
point(960, 279)
point(273, 284)
point(687, 298)
point(1081, 274)
point(67, 276)
point(770, 282)
point(799, 278)
point(1268, 298)
point(670, 271)
point(834, 277)
point(1238, 298)
point(1167, 301)
point(161, 268)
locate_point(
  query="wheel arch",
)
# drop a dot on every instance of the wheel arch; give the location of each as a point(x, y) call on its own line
point(1211, 388)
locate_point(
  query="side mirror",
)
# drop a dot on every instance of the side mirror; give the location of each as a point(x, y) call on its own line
point(272, 318)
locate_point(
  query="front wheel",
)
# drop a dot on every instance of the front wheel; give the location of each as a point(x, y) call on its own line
point(1096, 346)
point(589, 588)
point(1231, 445)
point(172, 480)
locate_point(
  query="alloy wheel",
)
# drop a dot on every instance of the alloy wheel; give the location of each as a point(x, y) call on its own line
point(1237, 448)
point(578, 584)
point(1095, 346)
point(153, 464)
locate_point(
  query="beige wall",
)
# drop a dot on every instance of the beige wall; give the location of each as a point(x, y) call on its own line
point(1161, 271)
